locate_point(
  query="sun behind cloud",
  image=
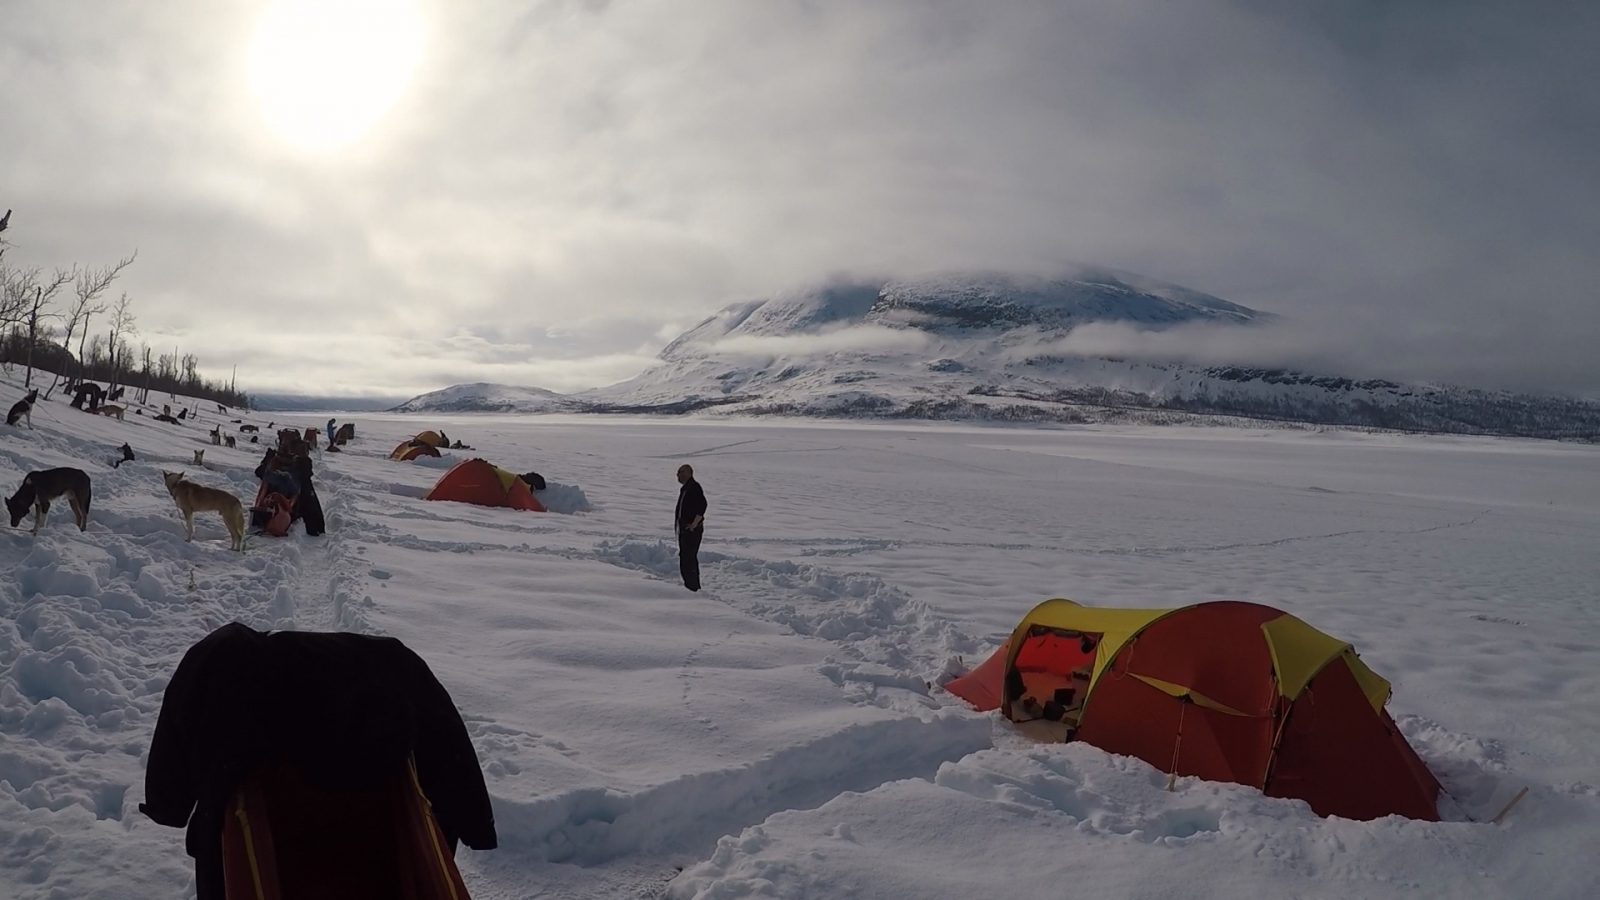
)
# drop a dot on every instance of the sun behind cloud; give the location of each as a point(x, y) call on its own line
point(324, 72)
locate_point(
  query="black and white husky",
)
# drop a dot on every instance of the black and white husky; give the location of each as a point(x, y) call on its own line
point(39, 488)
point(23, 409)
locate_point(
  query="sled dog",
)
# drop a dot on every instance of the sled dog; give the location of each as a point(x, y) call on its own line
point(192, 498)
point(23, 409)
point(39, 488)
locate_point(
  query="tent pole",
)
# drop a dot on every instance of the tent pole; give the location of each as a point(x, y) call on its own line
point(1514, 801)
point(1172, 774)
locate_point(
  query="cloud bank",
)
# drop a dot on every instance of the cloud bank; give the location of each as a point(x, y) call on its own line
point(564, 179)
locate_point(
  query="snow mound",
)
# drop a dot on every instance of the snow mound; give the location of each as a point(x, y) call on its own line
point(1038, 818)
point(564, 498)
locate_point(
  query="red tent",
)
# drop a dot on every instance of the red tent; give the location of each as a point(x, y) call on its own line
point(1225, 691)
point(481, 482)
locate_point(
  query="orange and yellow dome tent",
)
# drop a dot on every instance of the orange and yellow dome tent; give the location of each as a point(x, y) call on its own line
point(481, 482)
point(409, 450)
point(1226, 691)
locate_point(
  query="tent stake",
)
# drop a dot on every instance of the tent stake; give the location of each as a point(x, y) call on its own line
point(1514, 801)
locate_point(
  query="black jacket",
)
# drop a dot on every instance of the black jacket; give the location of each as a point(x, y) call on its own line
point(344, 709)
point(307, 505)
point(691, 503)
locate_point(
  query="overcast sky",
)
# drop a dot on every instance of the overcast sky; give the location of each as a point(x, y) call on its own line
point(554, 189)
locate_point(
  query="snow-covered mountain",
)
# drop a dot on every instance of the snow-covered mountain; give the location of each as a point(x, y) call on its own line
point(990, 346)
point(485, 397)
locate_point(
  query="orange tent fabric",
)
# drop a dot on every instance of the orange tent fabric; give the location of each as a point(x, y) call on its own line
point(431, 438)
point(982, 687)
point(481, 482)
point(1226, 691)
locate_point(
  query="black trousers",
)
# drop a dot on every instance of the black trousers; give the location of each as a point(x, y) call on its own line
point(689, 556)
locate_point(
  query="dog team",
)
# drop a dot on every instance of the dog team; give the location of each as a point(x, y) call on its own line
point(40, 488)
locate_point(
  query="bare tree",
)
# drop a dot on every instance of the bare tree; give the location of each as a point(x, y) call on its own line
point(123, 326)
point(15, 287)
point(89, 285)
point(147, 371)
point(24, 295)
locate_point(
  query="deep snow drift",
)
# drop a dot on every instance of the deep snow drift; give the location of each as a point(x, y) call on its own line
point(775, 735)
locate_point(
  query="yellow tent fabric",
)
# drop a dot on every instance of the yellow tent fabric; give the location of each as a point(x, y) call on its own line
point(1299, 652)
point(505, 477)
point(1178, 690)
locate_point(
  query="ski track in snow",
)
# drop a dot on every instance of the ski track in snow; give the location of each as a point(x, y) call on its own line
point(875, 623)
point(880, 630)
point(594, 826)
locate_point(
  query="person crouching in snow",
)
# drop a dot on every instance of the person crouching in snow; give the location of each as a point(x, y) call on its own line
point(274, 475)
point(275, 499)
point(690, 523)
point(306, 504)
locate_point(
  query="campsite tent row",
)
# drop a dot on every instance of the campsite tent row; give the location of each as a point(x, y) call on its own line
point(1225, 691)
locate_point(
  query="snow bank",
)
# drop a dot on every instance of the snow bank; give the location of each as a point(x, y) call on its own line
point(1069, 820)
point(563, 498)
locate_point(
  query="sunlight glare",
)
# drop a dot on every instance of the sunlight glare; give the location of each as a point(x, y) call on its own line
point(324, 72)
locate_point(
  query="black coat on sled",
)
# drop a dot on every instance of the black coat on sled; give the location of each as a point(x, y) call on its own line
point(344, 710)
point(307, 506)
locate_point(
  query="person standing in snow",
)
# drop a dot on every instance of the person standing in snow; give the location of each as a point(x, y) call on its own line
point(689, 519)
point(331, 432)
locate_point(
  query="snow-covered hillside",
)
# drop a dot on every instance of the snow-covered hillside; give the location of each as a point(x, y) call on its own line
point(776, 735)
point(991, 347)
point(483, 397)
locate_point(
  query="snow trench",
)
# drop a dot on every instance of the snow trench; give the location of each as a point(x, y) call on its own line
point(593, 826)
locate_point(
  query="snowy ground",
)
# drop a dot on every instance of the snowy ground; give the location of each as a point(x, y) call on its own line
point(774, 734)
